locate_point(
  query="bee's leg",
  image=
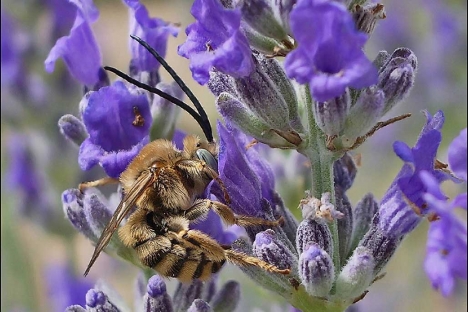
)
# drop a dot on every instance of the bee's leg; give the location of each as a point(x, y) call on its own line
point(100, 182)
point(202, 207)
point(197, 239)
point(241, 259)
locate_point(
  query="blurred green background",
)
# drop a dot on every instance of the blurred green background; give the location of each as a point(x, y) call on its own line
point(28, 248)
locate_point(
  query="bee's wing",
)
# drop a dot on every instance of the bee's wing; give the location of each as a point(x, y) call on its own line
point(140, 185)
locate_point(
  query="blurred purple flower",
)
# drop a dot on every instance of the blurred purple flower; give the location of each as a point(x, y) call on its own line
point(329, 55)
point(156, 297)
point(24, 177)
point(12, 50)
point(403, 204)
point(115, 136)
point(457, 154)
point(215, 40)
point(63, 13)
point(446, 257)
point(65, 288)
point(152, 30)
point(442, 41)
point(80, 42)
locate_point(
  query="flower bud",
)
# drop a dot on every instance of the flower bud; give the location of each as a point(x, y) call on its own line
point(72, 201)
point(366, 16)
point(344, 171)
point(227, 299)
point(356, 275)
point(381, 58)
point(381, 245)
point(396, 77)
point(258, 92)
point(185, 294)
point(261, 43)
point(316, 271)
point(220, 82)
point(260, 15)
point(345, 224)
point(275, 71)
point(97, 301)
point(283, 8)
point(273, 282)
point(72, 129)
point(314, 232)
point(75, 308)
point(365, 113)
point(97, 213)
point(156, 298)
point(363, 214)
point(330, 116)
point(243, 118)
point(199, 305)
point(272, 250)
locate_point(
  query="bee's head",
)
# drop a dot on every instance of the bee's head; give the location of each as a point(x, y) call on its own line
point(201, 150)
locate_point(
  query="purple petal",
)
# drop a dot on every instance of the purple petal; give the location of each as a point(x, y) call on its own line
point(114, 137)
point(457, 154)
point(329, 54)
point(80, 42)
point(152, 30)
point(217, 27)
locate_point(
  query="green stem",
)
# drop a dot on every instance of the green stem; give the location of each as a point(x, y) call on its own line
point(321, 160)
point(304, 302)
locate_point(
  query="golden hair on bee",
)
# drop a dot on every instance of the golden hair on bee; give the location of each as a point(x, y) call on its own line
point(165, 185)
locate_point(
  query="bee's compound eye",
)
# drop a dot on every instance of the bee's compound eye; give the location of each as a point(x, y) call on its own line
point(208, 158)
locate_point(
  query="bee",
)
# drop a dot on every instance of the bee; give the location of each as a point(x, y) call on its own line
point(165, 185)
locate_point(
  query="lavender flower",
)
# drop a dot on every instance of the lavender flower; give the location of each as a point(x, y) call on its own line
point(402, 205)
point(80, 42)
point(64, 287)
point(26, 180)
point(457, 155)
point(316, 271)
point(113, 143)
point(328, 60)
point(215, 40)
point(156, 298)
point(240, 176)
point(447, 239)
point(12, 49)
point(152, 30)
point(63, 13)
point(336, 252)
point(447, 243)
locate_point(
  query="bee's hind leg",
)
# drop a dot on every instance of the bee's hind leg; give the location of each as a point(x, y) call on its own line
point(202, 241)
point(202, 207)
point(241, 259)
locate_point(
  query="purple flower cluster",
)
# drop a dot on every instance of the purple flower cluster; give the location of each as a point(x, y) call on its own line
point(117, 117)
point(446, 258)
point(329, 55)
point(215, 40)
point(195, 297)
point(336, 252)
point(81, 41)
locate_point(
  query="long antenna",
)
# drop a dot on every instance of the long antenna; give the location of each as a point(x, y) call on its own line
point(176, 78)
point(206, 130)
